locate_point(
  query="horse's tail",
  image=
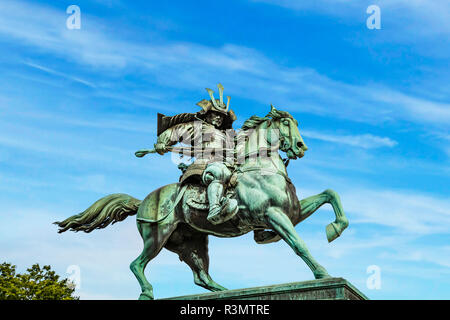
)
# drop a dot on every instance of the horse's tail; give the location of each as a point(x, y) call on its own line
point(110, 209)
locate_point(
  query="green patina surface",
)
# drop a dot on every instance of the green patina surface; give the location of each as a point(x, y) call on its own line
point(323, 289)
point(243, 186)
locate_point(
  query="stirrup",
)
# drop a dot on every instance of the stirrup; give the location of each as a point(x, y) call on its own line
point(215, 211)
point(223, 212)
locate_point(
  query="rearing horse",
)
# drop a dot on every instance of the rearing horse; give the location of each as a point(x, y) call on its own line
point(266, 197)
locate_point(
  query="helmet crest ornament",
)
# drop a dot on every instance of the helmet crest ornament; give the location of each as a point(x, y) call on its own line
point(218, 104)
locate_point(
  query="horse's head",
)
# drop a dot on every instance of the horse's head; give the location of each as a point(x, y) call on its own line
point(290, 139)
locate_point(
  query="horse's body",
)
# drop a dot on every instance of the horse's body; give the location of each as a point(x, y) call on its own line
point(266, 197)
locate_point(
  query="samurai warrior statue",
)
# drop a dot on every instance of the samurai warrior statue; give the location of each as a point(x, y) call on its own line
point(210, 135)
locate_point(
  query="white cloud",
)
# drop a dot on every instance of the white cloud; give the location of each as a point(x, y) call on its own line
point(415, 108)
point(366, 141)
point(235, 263)
point(407, 211)
point(59, 74)
point(439, 255)
point(418, 17)
point(190, 65)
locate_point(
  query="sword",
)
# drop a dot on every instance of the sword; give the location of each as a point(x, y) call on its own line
point(141, 153)
point(181, 150)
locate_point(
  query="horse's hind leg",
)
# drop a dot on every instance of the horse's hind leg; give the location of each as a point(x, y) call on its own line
point(192, 248)
point(311, 204)
point(154, 236)
point(282, 225)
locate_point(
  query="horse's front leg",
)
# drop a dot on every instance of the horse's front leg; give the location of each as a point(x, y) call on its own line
point(309, 205)
point(283, 226)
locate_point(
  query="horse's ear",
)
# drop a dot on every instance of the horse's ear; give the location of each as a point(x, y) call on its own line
point(272, 112)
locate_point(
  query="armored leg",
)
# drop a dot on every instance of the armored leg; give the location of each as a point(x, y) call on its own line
point(221, 208)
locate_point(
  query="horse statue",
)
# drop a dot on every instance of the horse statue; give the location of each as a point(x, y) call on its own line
point(170, 218)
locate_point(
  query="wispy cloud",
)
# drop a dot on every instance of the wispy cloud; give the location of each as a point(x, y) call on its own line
point(431, 254)
point(366, 141)
point(407, 212)
point(410, 212)
point(348, 256)
point(59, 74)
point(406, 16)
point(168, 62)
point(385, 223)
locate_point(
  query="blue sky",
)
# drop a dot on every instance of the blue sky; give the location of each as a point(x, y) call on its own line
point(372, 105)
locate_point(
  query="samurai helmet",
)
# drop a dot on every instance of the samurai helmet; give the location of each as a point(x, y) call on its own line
point(217, 105)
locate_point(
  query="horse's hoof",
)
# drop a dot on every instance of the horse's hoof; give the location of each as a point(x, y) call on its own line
point(146, 296)
point(331, 231)
point(334, 230)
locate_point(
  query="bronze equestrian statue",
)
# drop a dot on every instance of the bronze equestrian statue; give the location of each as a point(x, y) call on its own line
point(237, 183)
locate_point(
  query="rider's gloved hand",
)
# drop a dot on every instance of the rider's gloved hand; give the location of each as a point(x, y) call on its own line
point(160, 148)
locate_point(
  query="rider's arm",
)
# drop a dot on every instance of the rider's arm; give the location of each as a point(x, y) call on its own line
point(182, 132)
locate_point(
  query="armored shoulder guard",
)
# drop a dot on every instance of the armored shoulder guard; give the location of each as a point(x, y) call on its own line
point(166, 122)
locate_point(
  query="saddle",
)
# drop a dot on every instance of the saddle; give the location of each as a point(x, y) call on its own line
point(195, 196)
point(194, 192)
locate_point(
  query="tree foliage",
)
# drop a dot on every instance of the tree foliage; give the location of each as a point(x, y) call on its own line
point(36, 284)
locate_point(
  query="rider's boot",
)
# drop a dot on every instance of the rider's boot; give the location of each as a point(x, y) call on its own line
point(221, 208)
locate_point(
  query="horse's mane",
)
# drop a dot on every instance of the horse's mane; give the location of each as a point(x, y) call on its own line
point(253, 122)
point(274, 114)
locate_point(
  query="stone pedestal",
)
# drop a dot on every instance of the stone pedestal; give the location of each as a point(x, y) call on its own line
point(323, 289)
